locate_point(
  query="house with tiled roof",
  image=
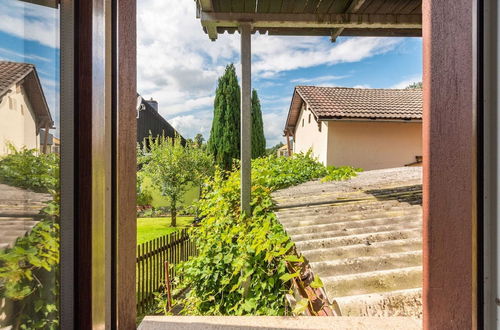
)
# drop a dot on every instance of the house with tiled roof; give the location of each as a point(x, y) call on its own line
point(361, 127)
point(23, 107)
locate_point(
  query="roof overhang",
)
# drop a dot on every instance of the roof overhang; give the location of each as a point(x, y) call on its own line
point(315, 18)
point(45, 3)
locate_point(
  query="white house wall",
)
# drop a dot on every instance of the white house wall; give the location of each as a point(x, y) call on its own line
point(308, 136)
point(17, 122)
point(373, 144)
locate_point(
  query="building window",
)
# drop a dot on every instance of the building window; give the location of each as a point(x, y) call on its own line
point(22, 109)
point(309, 120)
point(319, 126)
point(302, 122)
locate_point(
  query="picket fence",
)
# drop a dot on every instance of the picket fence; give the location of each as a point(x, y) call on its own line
point(150, 265)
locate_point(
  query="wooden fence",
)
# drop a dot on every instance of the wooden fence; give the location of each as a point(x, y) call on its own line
point(150, 265)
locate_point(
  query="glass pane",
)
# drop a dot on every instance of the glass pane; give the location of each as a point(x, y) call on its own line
point(29, 164)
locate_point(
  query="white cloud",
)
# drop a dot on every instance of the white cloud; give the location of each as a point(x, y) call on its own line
point(178, 65)
point(189, 125)
point(361, 86)
point(318, 80)
point(407, 81)
point(30, 22)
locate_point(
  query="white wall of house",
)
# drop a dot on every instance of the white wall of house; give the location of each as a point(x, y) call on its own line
point(309, 136)
point(373, 144)
point(17, 121)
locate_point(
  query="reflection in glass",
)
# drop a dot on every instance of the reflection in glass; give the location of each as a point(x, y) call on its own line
point(29, 165)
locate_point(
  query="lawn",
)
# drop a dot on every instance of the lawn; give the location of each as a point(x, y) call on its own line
point(151, 228)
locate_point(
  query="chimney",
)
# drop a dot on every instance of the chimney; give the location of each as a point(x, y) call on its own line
point(153, 103)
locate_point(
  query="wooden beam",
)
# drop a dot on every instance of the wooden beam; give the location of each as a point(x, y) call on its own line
point(45, 138)
point(246, 117)
point(353, 8)
point(315, 21)
point(45, 3)
point(288, 143)
point(206, 5)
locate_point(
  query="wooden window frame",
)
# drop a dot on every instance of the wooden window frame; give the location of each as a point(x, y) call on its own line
point(450, 174)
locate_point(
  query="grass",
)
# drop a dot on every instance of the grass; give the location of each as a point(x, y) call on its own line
point(151, 228)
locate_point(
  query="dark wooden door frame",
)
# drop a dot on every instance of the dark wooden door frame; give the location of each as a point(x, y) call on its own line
point(450, 165)
point(105, 164)
point(450, 211)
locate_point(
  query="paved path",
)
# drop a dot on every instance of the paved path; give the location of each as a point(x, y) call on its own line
point(19, 212)
point(363, 238)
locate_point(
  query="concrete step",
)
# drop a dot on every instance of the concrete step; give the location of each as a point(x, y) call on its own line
point(295, 231)
point(359, 207)
point(387, 304)
point(363, 264)
point(341, 217)
point(373, 282)
point(339, 205)
point(348, 230)
point(355, 250)
point(358, 239)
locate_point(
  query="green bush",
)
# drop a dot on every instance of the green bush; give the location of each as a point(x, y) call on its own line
point(28, 276)
point(240, 268)
point(26, 169)
point(340, 173)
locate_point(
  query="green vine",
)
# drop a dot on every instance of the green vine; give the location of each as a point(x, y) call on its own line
point(241, 265)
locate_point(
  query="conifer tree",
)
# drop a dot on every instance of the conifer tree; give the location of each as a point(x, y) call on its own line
point(224, 142)
point(258, 138)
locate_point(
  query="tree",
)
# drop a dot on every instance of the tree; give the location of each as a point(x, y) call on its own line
point(198, 140)
point(415, 85)
point(258, 138)
point(224, 142)
point(174, 168)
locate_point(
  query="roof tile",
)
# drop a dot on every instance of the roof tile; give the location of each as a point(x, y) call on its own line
point(342, 102)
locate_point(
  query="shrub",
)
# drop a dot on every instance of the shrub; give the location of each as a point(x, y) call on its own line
point(241, 265)
point(26, 169)
point(29, 272)
point(340, 173)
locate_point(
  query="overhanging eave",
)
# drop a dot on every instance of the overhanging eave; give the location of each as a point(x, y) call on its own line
point(312, 24)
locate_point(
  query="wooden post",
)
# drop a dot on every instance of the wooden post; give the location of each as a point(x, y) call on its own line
point(246, 117)
point(45, 138)
point(167, 288)
point(288, 143)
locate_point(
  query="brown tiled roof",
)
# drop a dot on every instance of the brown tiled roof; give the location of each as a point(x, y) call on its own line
point(11, 73)
point(356, 103)
point(15, 72)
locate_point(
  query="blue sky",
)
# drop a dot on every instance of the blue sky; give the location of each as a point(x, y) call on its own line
point(178, 65)
point(29, 33)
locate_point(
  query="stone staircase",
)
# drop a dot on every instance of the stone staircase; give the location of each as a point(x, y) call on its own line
point(363, 237)
point(19, 212)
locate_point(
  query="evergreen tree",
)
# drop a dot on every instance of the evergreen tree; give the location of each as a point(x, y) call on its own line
point(224, 142)
point(258, 138)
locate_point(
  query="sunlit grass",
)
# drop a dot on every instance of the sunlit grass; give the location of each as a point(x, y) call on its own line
point(151, 228)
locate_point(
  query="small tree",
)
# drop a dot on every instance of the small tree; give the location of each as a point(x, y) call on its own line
point(198, 140)
point(258, 138)
point(173, 168)
point(415, 85)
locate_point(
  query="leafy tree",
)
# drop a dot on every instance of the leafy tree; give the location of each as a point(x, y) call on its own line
point(258, 138)
point(173, 168)
point(224, 142)
point(199, 139)
point(415, 85)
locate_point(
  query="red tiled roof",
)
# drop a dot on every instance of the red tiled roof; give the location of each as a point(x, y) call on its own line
point(11, 73)
point(359, 103)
